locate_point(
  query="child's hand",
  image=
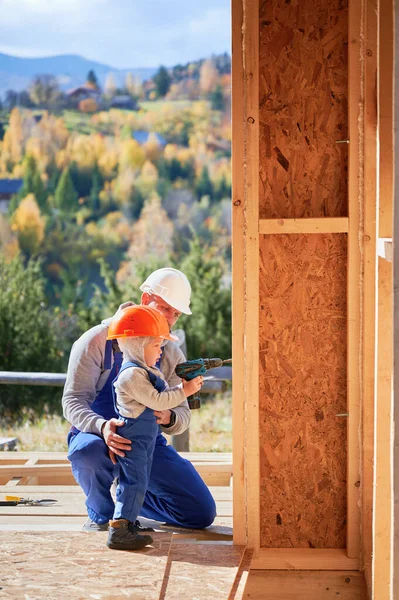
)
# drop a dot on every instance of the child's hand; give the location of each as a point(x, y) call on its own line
point(193, 386)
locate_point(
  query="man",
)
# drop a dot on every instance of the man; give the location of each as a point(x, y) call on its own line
point(176, 494)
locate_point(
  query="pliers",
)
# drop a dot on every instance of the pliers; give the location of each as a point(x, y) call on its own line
point(16, 500)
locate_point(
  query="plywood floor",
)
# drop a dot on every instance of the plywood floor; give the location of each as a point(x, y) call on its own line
point(46, 555)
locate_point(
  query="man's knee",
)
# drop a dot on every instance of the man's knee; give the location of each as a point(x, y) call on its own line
point(204, 513)
point(92, 453)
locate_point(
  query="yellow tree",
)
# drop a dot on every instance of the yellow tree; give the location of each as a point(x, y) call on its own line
point(209, 76)
point(29, 225)
point(9, 246)
point(152, 236)
point(131, 155)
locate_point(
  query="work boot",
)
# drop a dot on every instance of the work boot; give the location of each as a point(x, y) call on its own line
point(123, 535)
point(93, 526)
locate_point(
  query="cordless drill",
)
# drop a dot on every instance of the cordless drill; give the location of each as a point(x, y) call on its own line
point(192, 368)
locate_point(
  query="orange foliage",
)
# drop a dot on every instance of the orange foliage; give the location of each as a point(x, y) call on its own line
point(89, 105)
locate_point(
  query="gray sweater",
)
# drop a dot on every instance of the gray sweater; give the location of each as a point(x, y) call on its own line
point(86, 376)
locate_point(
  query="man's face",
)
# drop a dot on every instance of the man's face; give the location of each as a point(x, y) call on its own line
point(170, 313)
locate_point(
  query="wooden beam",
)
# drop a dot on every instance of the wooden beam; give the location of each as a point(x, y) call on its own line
point(251, 343)
point(396, 319)
point(370, 54)
point(238, 270)
point(383, 500)
point(313, 225)
point(386, 106)
point(304, 558)
point(354, 283)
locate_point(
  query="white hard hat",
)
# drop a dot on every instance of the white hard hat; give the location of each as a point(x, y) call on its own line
point(172, 286)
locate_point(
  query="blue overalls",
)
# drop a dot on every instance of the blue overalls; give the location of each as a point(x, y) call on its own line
point(135, 466)
point(175, 494)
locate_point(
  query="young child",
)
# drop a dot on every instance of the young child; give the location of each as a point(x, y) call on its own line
point(140, 389)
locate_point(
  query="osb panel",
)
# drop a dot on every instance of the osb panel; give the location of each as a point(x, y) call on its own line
point(59, 565)
point(302, 390)
point(201, 571)
point(303, 96)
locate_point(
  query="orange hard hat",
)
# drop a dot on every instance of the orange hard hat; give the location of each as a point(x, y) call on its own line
point(139, 321)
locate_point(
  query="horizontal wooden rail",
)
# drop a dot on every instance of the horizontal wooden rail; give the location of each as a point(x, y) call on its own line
point(13, 377)
point(311, 225)
point(315, 559)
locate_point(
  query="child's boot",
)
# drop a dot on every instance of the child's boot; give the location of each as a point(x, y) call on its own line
point(123, 535)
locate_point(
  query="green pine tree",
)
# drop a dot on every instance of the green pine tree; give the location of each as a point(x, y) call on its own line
point(96, 187)
point(209, 332)
point(65, 197)
point(30, 170)
point(162, 81)
point(92, 79)
point(40, 192)
point(204, 186)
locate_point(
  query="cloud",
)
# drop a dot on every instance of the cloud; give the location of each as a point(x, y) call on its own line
point(123, 33)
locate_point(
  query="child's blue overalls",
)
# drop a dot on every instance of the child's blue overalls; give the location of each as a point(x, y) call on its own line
point(135, 466)
point(175, 494)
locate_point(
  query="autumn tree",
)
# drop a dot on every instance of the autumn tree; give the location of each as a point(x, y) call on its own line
point(88, 105)
point(152, 235)
point(44, 91)
point(209, 76)
point(29, 225)
point(110, 86)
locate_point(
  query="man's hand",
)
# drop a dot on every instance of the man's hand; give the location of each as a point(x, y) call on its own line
point(163, 416)
point(116, 443)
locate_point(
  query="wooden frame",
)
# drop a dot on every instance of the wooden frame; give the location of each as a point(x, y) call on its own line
point(304, 559)
point(238, 253)
point(322, 225)
point(354, 285)
point(245, 251)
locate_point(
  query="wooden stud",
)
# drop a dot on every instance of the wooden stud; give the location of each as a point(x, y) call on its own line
point(238, 269)
point(396, 316)
point(311, 225)
point(370, 157)
point(251, 344)
point(383, 501)
point(386, 106)
point(324, 559)
point(354, 283)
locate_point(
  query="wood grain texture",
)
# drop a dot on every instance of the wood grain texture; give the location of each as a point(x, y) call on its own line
point(238, 272)
point(303, 108)
point(302, 390)
point(302, 585)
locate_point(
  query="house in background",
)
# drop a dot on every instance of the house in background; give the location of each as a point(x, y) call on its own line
point(124, 101)
point(83, 92)
point(8, 187)
point(142, 136)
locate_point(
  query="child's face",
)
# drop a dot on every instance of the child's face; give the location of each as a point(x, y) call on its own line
point(152, 352)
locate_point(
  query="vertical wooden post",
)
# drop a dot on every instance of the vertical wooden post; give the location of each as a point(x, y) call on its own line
point(238, 269)
point(395, 586)
point(383, 500)
point(382, 534)
point(354, 285)
point(251, 347)
point(370, 274)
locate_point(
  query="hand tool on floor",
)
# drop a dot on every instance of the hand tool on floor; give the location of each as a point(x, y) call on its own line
point(192, 368)
point(17, 501)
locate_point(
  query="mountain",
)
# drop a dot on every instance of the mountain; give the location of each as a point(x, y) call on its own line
point(70, 69)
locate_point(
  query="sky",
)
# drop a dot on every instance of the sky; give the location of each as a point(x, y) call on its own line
point(119, 33)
